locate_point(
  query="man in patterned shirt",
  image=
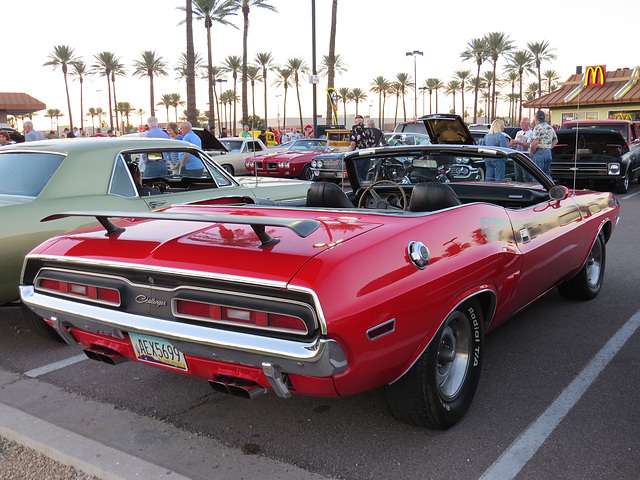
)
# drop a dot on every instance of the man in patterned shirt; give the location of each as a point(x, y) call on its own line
point(361, 137)
point(543, 139)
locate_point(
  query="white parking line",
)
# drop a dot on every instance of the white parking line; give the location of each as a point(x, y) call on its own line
point(629, 196)
point(36, 372)
point(527, 444)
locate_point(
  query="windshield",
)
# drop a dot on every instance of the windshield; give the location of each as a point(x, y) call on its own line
point(232, 145)
point(27, 174)
point(308, 144)
point(407, 139)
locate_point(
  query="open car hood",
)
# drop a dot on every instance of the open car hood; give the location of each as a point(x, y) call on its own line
point(447, 128)
point(592, 140)
point(209, 141)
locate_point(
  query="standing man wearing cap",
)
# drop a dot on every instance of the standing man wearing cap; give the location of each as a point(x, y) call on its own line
point(543, 139)
point(361, 137)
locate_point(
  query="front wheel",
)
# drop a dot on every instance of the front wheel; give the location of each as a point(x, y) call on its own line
point(306, 173)
point(437, 391)
point(622, 185)
point(587, 283)
point(229, 168)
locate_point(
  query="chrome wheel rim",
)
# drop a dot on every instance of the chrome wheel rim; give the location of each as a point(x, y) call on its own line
point(454, 354)
point(594, 264)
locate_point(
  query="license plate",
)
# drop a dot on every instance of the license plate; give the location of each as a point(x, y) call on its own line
point(157, 351)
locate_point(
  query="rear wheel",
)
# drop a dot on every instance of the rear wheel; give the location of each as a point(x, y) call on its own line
point(229, 168)
point(587, 283)
point(437, 391)
point(38, 325)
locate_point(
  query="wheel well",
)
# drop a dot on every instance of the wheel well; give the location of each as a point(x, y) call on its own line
point(487, 301)
point(606, 230)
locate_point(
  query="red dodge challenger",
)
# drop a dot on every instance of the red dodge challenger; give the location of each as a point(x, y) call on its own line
point(393, 284)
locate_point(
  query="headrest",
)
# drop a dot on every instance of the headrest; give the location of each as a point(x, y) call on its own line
point(432, 196)
point(327, 194)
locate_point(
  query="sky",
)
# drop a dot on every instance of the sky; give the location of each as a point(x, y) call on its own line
point(372, 38)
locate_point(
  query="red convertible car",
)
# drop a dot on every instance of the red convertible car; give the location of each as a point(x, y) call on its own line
point(293, 162)
point(392, 285)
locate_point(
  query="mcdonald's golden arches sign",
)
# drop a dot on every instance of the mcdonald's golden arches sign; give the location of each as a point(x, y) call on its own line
point(595, 76)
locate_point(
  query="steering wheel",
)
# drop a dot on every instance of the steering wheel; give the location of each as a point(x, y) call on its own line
point(376, 200)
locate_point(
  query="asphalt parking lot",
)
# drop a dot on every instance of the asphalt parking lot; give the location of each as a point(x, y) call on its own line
point(557, 398)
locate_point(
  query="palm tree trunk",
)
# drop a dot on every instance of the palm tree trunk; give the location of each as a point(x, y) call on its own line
point(66, 86)
point(212, 118)
point(404, 107)
point(81, 106)
point(284, 112)
point(153, 112)
point(253, 102)
point(191, 76)
point(384, 101)
point(331, 72)
point(476, 88)
point(115, 100)
point(300, 104)
point(264, 77)
point(110, 107)
point(235, 102)
point(245, 34)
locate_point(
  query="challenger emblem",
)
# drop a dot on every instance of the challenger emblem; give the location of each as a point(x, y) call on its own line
point(150, 301)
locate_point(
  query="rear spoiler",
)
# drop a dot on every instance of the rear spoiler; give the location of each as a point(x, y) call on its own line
point(302, 228)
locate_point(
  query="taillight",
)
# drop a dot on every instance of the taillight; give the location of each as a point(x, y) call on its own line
point(238, 316)
point(110, 296)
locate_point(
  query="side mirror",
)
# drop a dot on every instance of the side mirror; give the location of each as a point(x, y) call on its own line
point(558, 192)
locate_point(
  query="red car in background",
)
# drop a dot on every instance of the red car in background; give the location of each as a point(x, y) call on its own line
point(295, 161)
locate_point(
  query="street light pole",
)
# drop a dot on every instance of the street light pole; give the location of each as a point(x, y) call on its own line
point(414, 54)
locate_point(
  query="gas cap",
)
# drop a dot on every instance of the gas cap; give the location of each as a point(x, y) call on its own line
point(419, 254)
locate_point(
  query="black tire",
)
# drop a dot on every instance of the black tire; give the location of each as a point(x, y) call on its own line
point(229, 168)
point(437, 391)
point(38, 325)
point(587, 283)
point(622, 185)
point(480, 174)
point(306, 173)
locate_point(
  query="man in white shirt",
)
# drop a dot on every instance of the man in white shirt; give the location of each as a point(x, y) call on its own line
point(522, 142)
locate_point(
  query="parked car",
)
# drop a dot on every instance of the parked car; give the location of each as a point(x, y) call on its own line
point(241, 148)
point(629, 129)
point(595, 157)
point(42, 178)
point(294, 161)
point(391, 285)
point(439, 128)
point(14, 135)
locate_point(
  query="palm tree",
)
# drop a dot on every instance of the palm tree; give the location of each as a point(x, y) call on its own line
point(331, 58)
point(151, 65)
point(395, 90)
point(92, 112)
point(551, 76)
point(463, 76)
point(54, 113)
point(498, 43)
point(176, 101)
point(487, 82)
point(476, 51)
point(165, 101)
point(284, 78)
point(358, 95)
point(541, 53)
point(245, 6)
point(403, 82)
point(450, 89)
point(511, 79)
point(254, 75)
point(125, 109)
point(520, 63)
point(229, 97)
point(213, 11)
point(105, 63)
point(118, 69)
point(380, 85)
point(233, 64)
point(216, 76)
point(344, 94)
point(434, 84)
point(100, 113)
point(191, 67)
point(140, 112)
point(297, 66)
point(62, 56)
point(79, 70)
point(265, 62)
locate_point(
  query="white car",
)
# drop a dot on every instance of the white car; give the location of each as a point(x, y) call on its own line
point(241, 148)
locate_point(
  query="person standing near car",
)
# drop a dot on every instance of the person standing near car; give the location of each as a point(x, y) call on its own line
point(377, 133)
point(496, 167)
point(154, 167)
point(190, 165)
point(543, 139)
point(31, 135)
point(360, 137)
point(522, 143)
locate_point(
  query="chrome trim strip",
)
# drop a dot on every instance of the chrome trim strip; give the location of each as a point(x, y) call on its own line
point(321, 357)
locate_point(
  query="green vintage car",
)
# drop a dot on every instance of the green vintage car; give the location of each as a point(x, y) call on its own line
point(41, 178)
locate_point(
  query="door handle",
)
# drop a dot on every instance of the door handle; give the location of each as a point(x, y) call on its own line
point(156, 204)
